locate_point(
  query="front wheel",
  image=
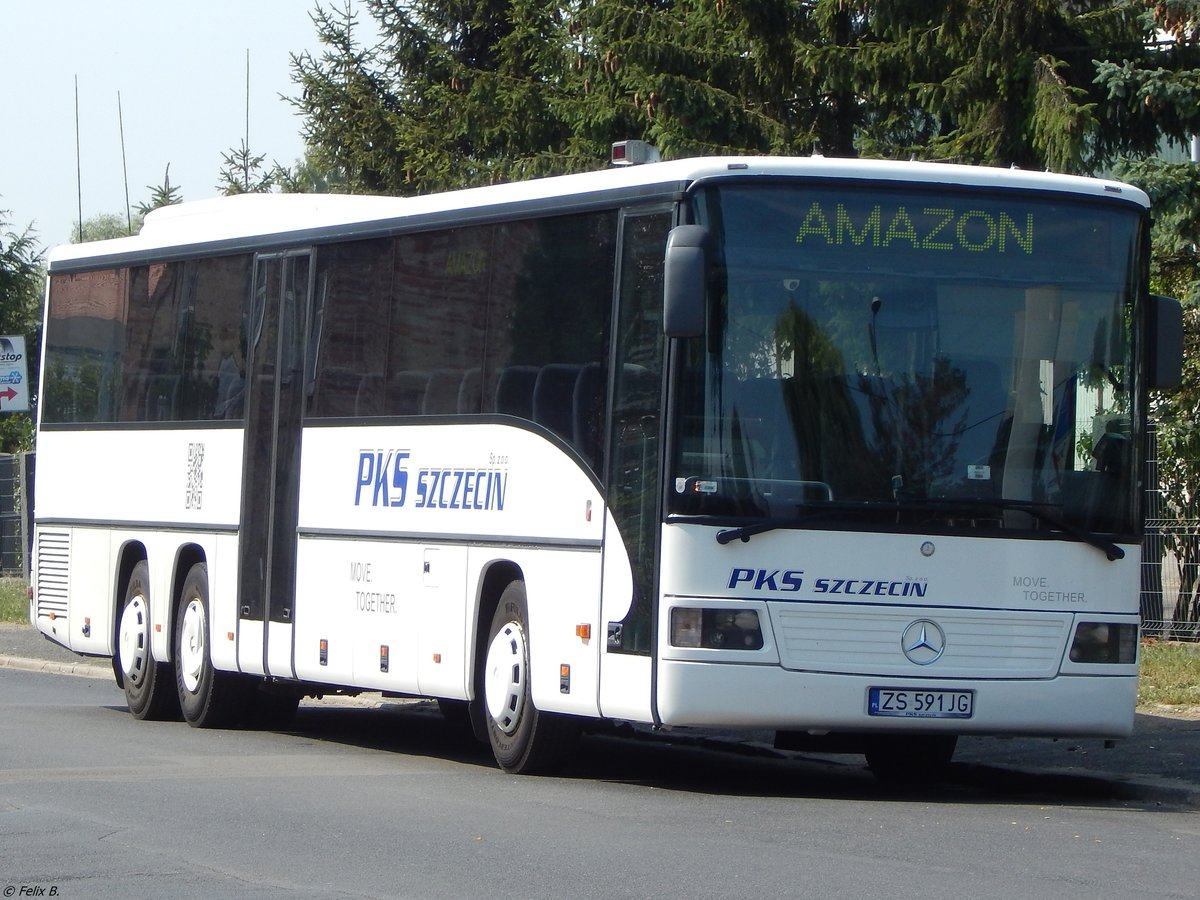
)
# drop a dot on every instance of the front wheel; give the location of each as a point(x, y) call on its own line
point(208, 698)
point(149, 693)
point(524, 739)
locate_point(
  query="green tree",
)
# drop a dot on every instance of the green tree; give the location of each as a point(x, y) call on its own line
point(456, 92)
point(165, 194)
point(1178, 440)
point(713, 76)
point(106, 226)
point(308, 176)
point(994, 82)
point(242, 172)
point(1164, 88)
point(1016, 80)
point(22, 275)
point(462, 92)
point(348, 110)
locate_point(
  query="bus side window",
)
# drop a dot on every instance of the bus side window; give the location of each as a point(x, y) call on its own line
point(554, 398)
point(404, 392)
point(540, 365)
point(348, 336)
point(438, 321)
point(514, 391)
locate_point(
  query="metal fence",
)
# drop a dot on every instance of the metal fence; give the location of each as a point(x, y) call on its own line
point(1163, 603)
point(16, 508)
point(1161, 597)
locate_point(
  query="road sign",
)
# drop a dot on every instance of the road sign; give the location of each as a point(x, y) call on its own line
point(14, 375)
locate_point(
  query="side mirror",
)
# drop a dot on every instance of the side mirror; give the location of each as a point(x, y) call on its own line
point(1165, 365)
point(685, 280)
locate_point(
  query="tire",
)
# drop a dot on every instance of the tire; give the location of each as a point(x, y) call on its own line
point(149, 691)
point(524, 740)
point(207, 698)
point(911, 759)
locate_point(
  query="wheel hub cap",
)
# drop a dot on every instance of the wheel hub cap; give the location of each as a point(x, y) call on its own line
point(193, 645)
point(134, 639)
point(504, 677)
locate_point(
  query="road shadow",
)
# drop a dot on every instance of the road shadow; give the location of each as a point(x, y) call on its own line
point(692, 761)
point(718, 767)
point(412, 728)
point(1158, 769)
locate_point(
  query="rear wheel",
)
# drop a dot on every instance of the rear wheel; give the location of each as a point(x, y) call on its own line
point(911, 759)
point(208, 698)
point(149, 691)
point(524, 739)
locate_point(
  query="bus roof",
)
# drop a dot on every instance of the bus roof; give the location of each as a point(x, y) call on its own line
point(295, 218)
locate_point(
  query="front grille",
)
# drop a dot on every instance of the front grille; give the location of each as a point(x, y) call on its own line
point(866, 640)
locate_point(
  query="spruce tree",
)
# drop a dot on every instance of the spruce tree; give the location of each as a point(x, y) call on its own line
point(462, 92)
point(1161, 93)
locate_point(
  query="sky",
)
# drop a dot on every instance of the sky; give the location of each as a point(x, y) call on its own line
point(180, 69)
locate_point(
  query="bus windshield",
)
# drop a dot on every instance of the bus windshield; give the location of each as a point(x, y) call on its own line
point(912, 357)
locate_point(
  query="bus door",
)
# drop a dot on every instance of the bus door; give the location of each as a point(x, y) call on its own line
point(275, 330)
point(634, 483)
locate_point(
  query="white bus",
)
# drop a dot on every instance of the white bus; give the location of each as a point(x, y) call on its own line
point(846, 450)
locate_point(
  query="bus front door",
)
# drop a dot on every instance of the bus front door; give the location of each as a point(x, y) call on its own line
point(275, 330)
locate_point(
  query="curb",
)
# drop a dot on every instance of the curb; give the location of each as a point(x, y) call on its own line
point(79, 670)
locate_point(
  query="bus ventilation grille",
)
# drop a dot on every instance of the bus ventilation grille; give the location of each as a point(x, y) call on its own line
point(53, 553)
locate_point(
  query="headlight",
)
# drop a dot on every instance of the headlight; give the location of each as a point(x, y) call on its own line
point(716, 629)
point(1104, 642)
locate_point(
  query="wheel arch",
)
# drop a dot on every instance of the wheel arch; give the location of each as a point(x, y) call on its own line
point(185, 557)
point(496, 576)
point(131, 553)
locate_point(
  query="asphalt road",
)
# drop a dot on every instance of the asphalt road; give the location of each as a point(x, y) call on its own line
point(374, 798)
point(393, 802)
point(1161, 760)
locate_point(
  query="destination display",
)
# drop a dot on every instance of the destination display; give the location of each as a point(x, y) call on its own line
point(918, 227)
point(926, 231)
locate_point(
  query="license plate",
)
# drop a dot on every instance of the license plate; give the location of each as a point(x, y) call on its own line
point(917, 704)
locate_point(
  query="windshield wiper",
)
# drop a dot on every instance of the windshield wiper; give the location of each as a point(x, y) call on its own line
point(743, 533)
point(1038, 511)
point(1108, 548)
